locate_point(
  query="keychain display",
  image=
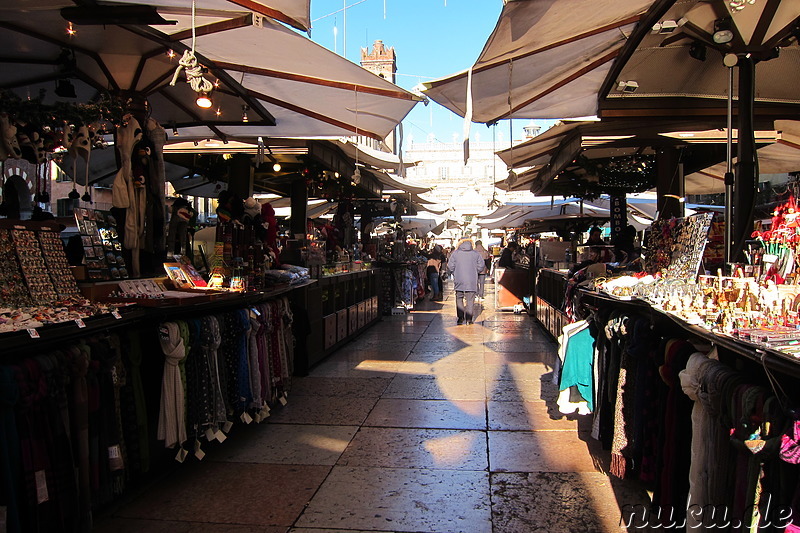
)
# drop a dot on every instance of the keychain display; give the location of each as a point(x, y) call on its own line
point(34, 269)
point(101, 245)
point(13, 291)
point(56, 261)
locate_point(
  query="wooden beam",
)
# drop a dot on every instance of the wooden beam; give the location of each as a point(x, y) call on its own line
point(140, 67)
point(782, 34)
point(721, 12)
point(765, 21)
point(28, 61)
point(214, 27)
point(643, 28)
point(180, 105)
point(572, 77)
point(399, 94)
point(52, 40)
point(155, 85)
point(161, 38)
point(52, 76)
point(272, 13)
point(315, 115)
point(596, 31)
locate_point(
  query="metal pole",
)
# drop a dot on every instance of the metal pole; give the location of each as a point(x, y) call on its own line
point(729, 172)
point(744, 190)
point(344, 29)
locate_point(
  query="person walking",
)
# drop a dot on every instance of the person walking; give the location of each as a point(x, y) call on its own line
point(433, 269)
point(484, 253)
point(465, 264)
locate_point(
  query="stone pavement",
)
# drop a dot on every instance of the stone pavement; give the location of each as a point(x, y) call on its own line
point(419, 425)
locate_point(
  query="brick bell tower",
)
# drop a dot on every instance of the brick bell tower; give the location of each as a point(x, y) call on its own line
point(383, 62)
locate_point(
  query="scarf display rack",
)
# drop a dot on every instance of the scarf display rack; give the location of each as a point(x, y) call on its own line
point(85, 415)
point(707, 423)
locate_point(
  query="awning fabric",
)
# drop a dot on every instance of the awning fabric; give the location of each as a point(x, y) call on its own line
point(285, 84)
point(553, 55)
point(578, 58)
point(372, 157)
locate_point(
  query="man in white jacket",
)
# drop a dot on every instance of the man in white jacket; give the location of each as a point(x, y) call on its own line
point(465, 264)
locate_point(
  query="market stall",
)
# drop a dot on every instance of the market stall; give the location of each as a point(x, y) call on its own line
point(138, 354)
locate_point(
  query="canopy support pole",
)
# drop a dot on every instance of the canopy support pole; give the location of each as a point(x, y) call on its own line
point(729, 172)
point(299, 203)
point(240, 181)
point(744, 188)
point(669, 182)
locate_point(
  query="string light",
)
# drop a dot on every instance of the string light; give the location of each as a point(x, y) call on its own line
point(245, 108)
point(171, 53)
point(218, 112)
point(70, 29)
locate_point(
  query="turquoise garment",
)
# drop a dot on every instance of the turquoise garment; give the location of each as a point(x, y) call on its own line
point(577, 370)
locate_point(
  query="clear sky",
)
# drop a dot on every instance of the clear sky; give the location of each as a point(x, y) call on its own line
point(432, 39)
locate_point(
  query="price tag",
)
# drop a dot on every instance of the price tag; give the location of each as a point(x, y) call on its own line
point(257, 417)
point(282, 399)
point(40, 478)
point(264, 413)
point(198, 451)
point(210, 434)
point(227, 426)
point(79, 323)
point(246, 418)
point(33, 333)
point(220, 436)
point(181, 456)
point(116, 315)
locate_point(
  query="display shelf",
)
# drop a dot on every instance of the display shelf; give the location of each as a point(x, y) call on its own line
point(778, 361)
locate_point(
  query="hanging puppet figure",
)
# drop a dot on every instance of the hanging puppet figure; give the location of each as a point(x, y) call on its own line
point(124, 194)
point(9, 146)
point(178, 234)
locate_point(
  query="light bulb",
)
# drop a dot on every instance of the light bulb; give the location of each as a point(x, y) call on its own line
point(276, 167)
point(204, 100)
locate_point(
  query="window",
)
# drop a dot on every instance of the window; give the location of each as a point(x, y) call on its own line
point(65, 206)
point(61, 176)
point(444, 173)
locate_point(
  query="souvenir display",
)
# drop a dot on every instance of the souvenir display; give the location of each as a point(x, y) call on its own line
point(759, 303)
point(31, 259)
point(101, 245)
point(675, 247)
point(13, 291)
point(57, 266)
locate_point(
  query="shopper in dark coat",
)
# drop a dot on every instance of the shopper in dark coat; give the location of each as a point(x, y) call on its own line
point(507, 255)
point(465, 264)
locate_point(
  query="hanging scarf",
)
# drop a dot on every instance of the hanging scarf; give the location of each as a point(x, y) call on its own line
point(171, 423)
point(133, 354)
point(10, 458)
point(199, 387)
point(78, 360)
point(210, 340)
point(256, 331)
